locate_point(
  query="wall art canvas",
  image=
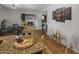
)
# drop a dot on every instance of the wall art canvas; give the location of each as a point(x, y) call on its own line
point(62, 14)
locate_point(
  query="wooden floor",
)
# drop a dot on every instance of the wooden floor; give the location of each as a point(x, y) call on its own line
point(51, 46)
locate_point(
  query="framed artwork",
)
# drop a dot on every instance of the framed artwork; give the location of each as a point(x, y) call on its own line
point(68, 13)
point(62, 14)
point(54, 15)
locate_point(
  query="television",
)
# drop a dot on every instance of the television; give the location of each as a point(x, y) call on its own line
point(30, 23)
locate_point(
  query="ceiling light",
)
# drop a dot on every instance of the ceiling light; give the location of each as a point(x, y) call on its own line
point(13, 6)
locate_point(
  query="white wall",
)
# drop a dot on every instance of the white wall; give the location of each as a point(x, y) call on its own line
point(13, 16)
point(10, 15)
point(38, 21)
point(68, 29)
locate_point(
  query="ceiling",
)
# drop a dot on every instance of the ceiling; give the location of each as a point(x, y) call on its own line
point(28, 7)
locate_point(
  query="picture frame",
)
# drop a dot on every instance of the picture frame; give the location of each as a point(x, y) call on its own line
point(62, 14)
point(68, 13)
